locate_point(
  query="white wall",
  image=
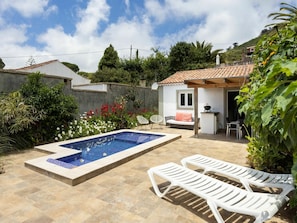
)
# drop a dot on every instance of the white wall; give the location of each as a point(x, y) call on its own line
point(169, 100)
point(58, 69)
point(215, 97)
point(92, 87)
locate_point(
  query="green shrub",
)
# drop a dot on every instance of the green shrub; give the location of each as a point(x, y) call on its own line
point(16, 120)
point(58, 107)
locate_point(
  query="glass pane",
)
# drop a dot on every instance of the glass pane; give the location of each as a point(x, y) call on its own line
point(190, 99)
point(182, 99)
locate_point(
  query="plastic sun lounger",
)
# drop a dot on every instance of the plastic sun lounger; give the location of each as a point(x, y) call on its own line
point(217, 193)
point(247, 176)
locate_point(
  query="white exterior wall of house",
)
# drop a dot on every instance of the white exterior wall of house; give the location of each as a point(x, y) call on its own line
point(56, 68)
point(215, 97)
point(168, 103)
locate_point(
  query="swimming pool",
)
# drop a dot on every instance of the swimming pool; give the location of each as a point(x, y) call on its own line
point(77, 160)
point(100, 147)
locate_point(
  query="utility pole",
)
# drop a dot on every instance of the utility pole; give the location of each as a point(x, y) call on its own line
point(130, 52)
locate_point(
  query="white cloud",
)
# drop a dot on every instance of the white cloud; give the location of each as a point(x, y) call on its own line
point(220, 22)
point(26, 8)
point(90, 17)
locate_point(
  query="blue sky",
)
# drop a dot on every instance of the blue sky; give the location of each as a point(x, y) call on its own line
point(78, 31)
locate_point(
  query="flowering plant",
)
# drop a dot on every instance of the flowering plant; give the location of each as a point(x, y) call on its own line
point(85, 126)
point(117, 114)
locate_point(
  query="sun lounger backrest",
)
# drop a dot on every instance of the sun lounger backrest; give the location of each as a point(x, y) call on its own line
point(247, 176)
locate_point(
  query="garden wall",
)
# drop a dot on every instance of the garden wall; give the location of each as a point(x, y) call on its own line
point(11, 80)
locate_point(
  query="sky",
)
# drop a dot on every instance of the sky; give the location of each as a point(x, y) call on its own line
point(78, 31)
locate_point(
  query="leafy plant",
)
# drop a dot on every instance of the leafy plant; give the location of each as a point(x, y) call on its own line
point(117, 113)
point(58, 107)
point(269, 101)
point(16, 120)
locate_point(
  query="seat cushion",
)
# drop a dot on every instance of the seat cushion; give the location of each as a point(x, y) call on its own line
point(175, 122)
point(183, 116)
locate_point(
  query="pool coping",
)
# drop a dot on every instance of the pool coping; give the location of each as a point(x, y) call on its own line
point(82, 173)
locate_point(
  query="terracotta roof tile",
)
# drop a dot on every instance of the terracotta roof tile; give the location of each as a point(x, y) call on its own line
point(209, 73)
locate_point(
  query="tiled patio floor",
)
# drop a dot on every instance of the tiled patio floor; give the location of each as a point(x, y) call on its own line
point(123, 194)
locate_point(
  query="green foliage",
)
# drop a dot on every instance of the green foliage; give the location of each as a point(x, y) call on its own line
point(112, 75)
point(16, 120)
point(110, 59)
point(156, 67)
point(188, 56)
point(180, 56)
point(58, 107)
point(135, 69)
point(86, 74)
point(269, 101)
point(71, 66)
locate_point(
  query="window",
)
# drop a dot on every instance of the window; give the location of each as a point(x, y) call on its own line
point(185, 99)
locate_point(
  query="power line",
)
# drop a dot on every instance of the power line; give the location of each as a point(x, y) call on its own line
point(68, 54)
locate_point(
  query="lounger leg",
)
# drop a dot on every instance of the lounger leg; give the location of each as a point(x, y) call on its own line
point(214, 209)
point(246, 185)
point(155, 186)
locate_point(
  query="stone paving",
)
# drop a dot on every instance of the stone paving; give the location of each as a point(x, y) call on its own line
point(123, 194)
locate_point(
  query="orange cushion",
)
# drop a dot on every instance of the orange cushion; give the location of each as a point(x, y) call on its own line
point(178, 116)
point(182, 116)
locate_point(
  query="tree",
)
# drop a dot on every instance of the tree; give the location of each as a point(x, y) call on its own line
point(135, 69)
point(188, 56)
point(204, 57)
point(289, 16)
point(156, 66)
point(71, 66)
point(110, 59)
point(2, 64)
point(180, 56)
point(111, 75)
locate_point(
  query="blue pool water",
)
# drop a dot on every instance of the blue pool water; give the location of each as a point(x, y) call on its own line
point(97, 148)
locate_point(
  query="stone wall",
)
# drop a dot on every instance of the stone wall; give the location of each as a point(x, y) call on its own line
point(11, 80)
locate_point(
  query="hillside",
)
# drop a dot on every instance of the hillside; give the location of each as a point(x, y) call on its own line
point(235, 54)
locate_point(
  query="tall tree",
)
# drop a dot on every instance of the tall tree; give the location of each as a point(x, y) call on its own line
point(180, 56)
point(110, 59)
point(156, 66)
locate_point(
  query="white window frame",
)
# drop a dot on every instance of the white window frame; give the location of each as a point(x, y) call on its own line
point(186, 93)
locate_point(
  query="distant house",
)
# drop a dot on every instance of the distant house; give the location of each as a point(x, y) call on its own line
point(190, 91)
point(56, 68)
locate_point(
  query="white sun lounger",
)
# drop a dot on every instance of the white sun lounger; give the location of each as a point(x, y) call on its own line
point(217, 193)
point(247, 176)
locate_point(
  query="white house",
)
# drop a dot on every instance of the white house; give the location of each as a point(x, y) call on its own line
point(56, 68)
point(190, 91)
